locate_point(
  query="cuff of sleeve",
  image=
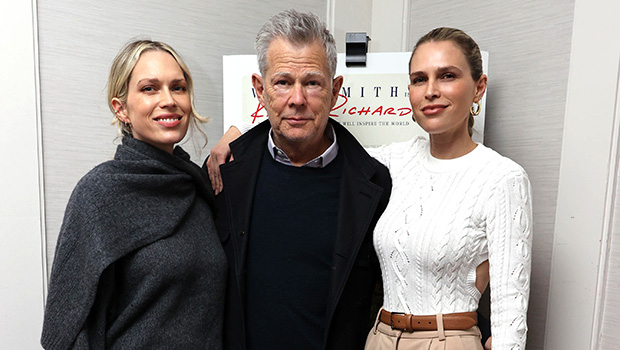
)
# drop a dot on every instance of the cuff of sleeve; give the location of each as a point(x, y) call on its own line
point(245, 127)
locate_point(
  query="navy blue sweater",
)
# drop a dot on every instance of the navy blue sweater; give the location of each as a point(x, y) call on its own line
point(290, 253)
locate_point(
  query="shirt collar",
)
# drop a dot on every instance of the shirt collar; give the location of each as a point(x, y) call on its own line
point(319, 162)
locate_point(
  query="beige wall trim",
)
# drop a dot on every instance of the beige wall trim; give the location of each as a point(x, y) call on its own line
point(588, 148)
point(23, 275)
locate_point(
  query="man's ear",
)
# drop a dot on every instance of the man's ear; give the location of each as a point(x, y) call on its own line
point(336, 85)
point(120, 110)
point(257, 83)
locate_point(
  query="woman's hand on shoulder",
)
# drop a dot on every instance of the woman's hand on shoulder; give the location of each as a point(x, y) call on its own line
point(220, 154)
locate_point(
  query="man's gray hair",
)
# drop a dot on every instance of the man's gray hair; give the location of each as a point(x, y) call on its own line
point(297, 28)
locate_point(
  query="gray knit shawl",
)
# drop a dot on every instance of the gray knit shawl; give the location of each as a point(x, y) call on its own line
point(141, 196)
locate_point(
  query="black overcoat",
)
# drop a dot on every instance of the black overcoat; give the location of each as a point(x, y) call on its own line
point(364, 193)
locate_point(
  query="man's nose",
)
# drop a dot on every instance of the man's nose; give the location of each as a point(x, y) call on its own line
point(297, 97)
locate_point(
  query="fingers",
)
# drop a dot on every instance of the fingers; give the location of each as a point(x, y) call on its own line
point(214, 174)
point(220, 154)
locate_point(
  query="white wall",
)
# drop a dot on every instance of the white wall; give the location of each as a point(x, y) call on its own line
point(22, 276)
point(385, 22)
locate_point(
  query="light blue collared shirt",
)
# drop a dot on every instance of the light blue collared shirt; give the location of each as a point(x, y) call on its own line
point(319, 162)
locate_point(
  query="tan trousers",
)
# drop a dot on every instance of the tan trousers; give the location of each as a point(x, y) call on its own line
point(383, 337)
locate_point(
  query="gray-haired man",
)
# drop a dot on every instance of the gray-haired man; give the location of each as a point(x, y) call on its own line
point(299, 204)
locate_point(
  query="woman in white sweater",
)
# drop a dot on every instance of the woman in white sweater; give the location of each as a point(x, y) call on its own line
point(459, 215)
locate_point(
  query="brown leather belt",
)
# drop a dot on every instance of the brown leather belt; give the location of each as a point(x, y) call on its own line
point(410, 323)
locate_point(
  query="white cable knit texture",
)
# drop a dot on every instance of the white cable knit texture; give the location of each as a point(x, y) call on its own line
point(444, 218)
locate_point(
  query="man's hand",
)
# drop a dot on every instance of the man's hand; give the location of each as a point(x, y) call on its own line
point(220, 154)
point(487, 344)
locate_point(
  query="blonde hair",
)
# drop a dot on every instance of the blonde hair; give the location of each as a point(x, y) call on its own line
point(120, 74)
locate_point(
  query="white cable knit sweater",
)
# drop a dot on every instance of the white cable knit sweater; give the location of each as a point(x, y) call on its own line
point(444, 218)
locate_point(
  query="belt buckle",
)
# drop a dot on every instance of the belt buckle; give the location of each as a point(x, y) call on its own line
point(392, 318)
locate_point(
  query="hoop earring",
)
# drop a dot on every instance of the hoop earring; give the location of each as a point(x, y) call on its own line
point(477, 111)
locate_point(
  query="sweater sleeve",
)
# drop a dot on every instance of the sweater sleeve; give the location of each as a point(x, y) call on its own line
point(245, 127)
point(397, 152)
point(509, 234)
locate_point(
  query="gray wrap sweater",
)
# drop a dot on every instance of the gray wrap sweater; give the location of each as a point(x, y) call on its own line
point(138, 263)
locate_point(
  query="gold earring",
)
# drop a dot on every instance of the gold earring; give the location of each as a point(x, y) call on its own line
point(477, 111)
